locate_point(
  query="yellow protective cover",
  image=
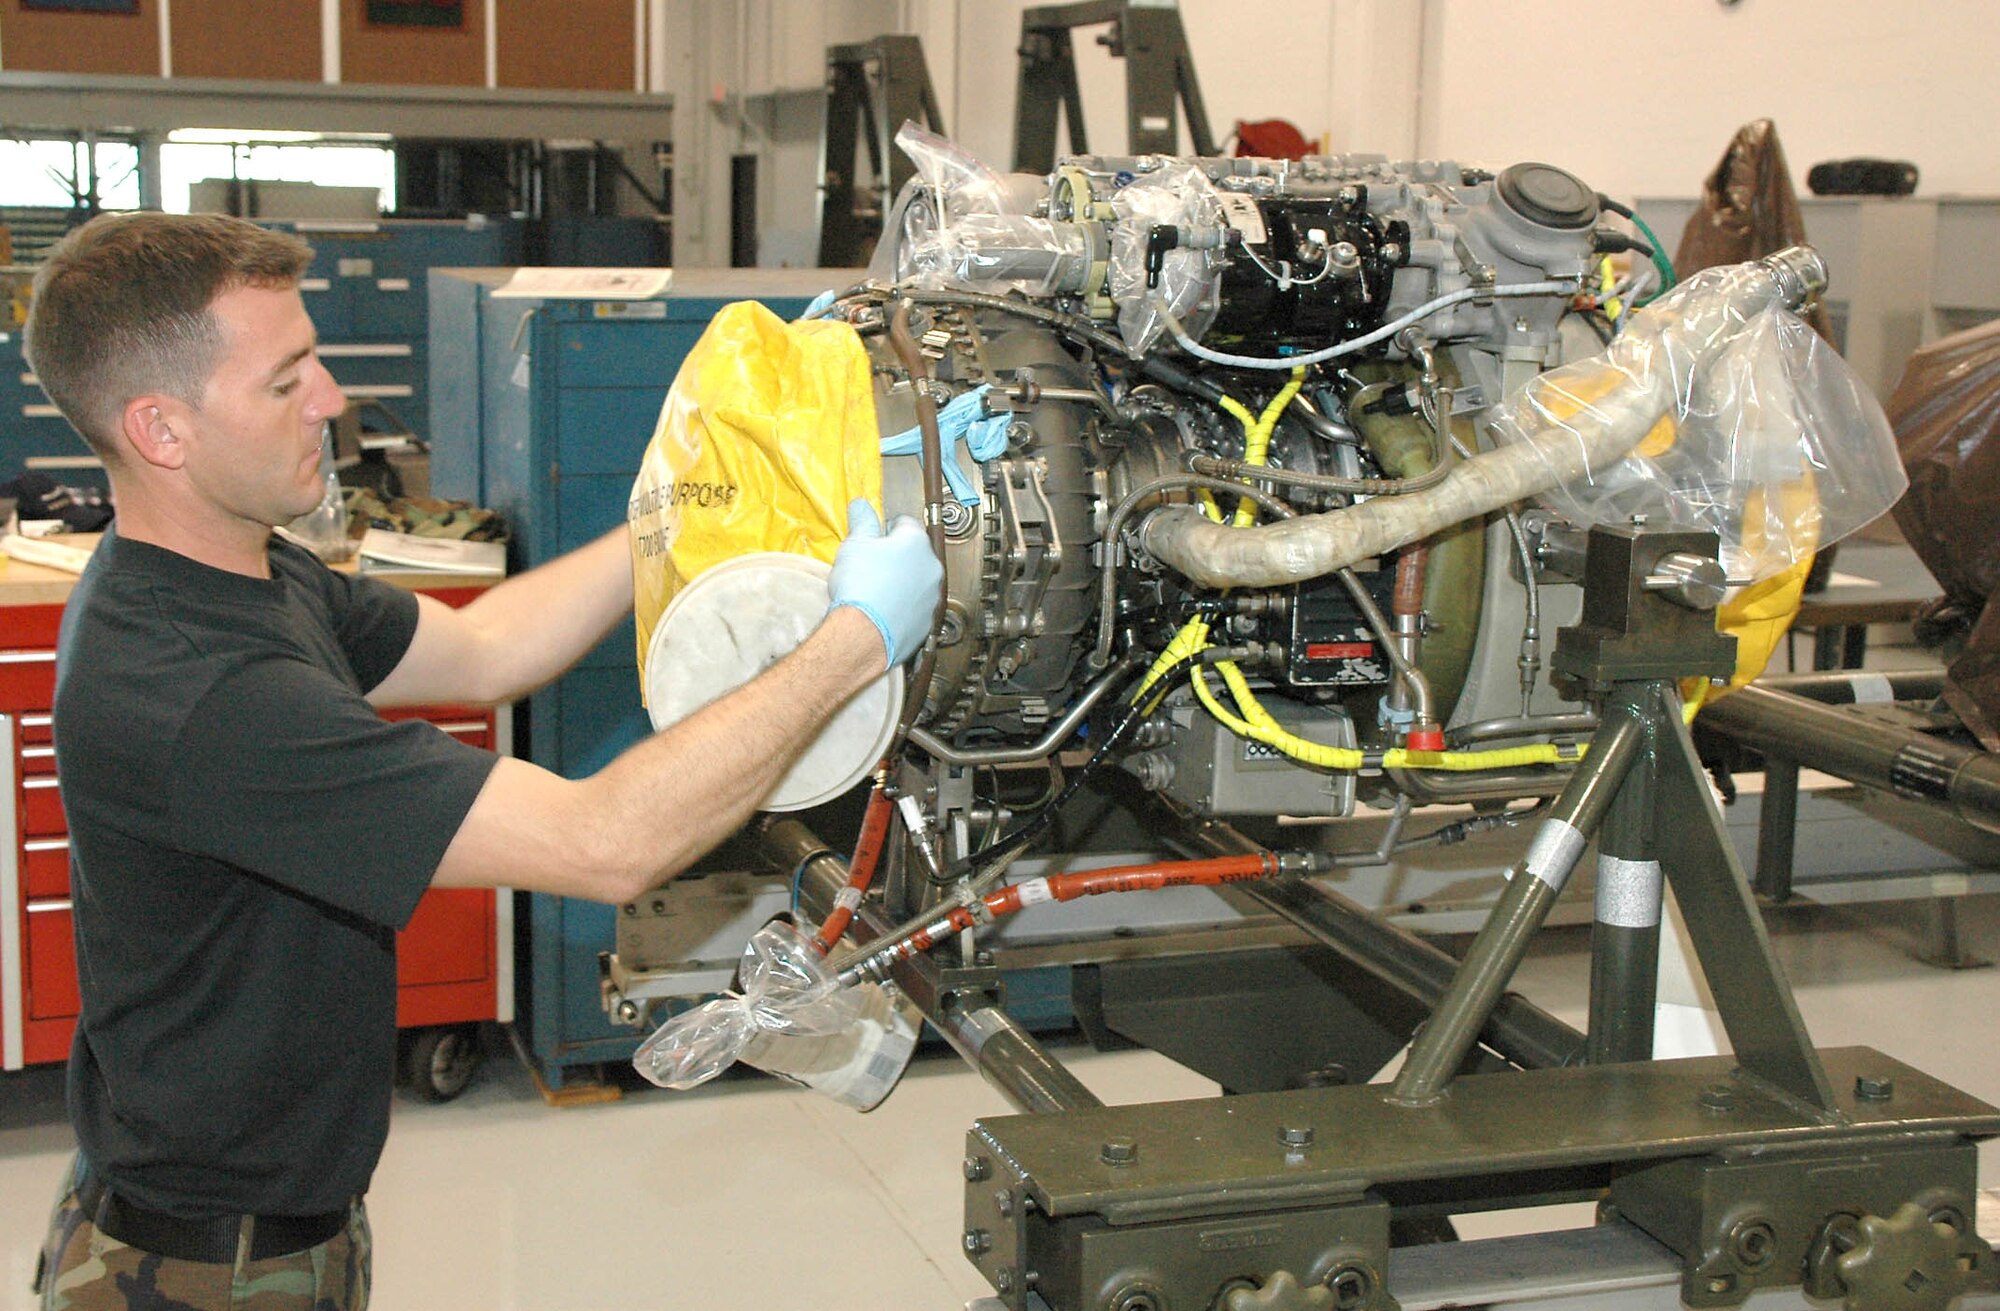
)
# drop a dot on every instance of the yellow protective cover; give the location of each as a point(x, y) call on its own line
point(768, 432)
point(1760, 615)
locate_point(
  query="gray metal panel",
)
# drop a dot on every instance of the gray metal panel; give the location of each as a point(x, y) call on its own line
point(160, 105)
point(1967, 276)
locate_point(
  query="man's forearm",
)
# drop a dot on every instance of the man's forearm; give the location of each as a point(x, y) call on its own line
point(657, 808)
point(537, 624)
point(714, 767)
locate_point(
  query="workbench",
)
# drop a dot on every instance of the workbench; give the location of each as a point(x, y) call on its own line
point(455, 960)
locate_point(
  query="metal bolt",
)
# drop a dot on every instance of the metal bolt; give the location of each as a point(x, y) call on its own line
point(1352, 1286)
point(977, 1241)
point(1003, 1280)
point(1718, 1097)
point(1118, 1151)
point(976, 1168)
point(1754, 1244)
point(1871, 1089)
point(956, 518)
point(1003, 1202)
point(1300, 1135)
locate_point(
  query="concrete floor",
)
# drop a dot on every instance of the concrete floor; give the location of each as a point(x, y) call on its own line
point(751, 1193)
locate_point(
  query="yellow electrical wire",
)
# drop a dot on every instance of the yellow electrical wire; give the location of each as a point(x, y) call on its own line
point(1256, 723)
point(1606, 280)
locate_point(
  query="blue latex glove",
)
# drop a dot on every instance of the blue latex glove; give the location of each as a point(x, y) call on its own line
point(963, 420)
point(892, 579)
point(820, 305)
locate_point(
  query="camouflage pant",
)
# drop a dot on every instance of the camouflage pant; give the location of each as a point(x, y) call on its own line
point(83, 1270)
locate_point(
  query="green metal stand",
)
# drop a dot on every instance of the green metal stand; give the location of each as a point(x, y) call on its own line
point(1642, 629)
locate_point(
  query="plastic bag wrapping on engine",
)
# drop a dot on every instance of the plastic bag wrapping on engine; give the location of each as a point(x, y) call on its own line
point(792, 1018)
point(766, 435)
point(1748, 210)
point(1946, 413)
point(1175, 195)
point(969, 227)
point(1763, 435)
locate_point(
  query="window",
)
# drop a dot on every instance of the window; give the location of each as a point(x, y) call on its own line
point(55, 174)
point(192, 156)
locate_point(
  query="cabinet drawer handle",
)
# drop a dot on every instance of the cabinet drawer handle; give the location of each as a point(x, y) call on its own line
point(39, 784)
point(37, 907)
point(45, 844)
point(38, 753)
point(38, 721)
point(464, 726)
point(27, 657)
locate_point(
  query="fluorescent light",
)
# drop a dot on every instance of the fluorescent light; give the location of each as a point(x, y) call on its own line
point(232, 136)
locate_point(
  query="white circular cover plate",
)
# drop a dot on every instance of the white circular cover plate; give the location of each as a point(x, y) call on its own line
point(738, 619)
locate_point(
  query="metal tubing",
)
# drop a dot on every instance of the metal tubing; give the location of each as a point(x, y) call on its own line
point(1520, 1031)
point(1852, 686)
point(1625, 934)
point(1443, 787)
point(1043, 747)
point(1486, 730)
point(912, 358)
point(1005, 1055)
point(1532, 888)
point(1916, 766)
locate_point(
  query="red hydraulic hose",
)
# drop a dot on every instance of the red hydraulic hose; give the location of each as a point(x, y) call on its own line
point(1088, 883)
point(860, 871)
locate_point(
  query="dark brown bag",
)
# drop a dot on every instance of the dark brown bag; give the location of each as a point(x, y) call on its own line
point(1946, 413)
point(1748, 210)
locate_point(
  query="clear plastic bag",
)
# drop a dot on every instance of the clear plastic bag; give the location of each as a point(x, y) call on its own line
point(969, 227)
point(1176, 195)
point(786, 990)
point(1759, 433)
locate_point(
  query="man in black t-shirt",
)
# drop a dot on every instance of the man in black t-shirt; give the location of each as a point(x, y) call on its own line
point(226, 777)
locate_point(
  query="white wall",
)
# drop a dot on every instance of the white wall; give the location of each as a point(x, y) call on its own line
point(1639, 97)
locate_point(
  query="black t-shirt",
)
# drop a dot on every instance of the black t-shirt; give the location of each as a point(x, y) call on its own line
point(246, 836)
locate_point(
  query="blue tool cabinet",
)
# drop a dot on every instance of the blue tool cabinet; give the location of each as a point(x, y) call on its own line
point(30, 427)
point(365, 290)
point(541, 409)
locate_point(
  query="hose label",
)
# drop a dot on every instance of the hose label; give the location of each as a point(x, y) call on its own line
point(847, 899)
point(1033, 891)
point(1628, 892)
point(1553, 851)
point(1921, 772)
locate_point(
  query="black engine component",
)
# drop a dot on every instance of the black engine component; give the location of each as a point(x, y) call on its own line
point(1320, 271)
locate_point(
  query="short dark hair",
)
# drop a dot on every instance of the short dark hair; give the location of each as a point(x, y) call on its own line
point(124, 305)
